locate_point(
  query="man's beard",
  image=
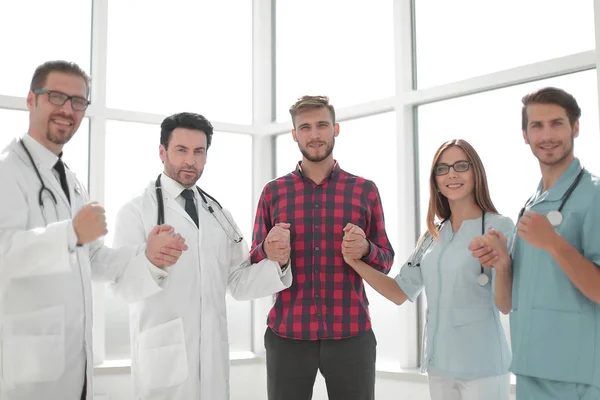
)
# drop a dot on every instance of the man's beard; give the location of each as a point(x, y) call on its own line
point(183, 178)
point(568, 151)
point(318, 158)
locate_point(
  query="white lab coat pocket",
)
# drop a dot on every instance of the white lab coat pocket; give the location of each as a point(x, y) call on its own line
point(33, 346)
point(162, 356)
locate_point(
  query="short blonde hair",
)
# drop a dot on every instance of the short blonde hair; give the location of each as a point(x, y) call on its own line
point(311, 103)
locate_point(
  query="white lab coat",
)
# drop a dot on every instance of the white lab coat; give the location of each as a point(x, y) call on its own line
point(45, 289)
point(179, 339)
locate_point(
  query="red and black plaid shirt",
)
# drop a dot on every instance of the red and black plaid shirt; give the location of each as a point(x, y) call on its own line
point(327, 299)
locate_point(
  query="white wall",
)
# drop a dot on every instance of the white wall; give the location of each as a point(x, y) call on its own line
point(248, 382)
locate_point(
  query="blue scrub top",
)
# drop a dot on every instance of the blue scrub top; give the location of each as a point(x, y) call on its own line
point(555, 329)
point(463, 337)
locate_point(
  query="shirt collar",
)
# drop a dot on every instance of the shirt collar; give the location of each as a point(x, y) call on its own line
point(172, 187)
point(334, 172)
point(40, 154)
point(558, 190)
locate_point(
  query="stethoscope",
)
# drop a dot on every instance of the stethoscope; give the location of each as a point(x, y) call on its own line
point(44, 188)
point(161, 210)
point(555, 217)
point(482, 277)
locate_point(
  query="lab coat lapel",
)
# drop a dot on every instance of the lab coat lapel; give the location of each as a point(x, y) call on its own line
point(56, 188)
point(75, 187)
point(203, 223)
point(49, 179)
point(170, 203)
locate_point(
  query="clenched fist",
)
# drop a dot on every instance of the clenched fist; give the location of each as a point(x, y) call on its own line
point(354, 243)
point(536, 230)
point(277, 244)
point(164, 246)
point(90, 223)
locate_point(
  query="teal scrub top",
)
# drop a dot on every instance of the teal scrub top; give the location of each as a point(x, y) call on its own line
point(463, 336)
point(555, 329)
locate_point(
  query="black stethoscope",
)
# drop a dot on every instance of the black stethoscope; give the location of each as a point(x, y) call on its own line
point(555, 216)
point(482, 277)
point(44, 188)
point(161, 210)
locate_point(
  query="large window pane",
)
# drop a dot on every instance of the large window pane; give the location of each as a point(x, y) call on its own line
point(361, 148)
point(460, 39)
point(189, 55)
point(343, 50)
point(32, 33)
point(132, 161)
point(76, 152)
point(491, 122)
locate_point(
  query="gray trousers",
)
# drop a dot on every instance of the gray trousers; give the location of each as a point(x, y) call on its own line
point(348, 366)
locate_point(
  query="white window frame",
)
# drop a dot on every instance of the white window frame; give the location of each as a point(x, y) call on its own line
point(263, 129)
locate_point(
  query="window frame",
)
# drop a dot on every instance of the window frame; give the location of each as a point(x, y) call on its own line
point(264, 128)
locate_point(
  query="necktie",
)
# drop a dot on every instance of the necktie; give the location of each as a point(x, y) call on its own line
point(190, 206)
point(60, 168)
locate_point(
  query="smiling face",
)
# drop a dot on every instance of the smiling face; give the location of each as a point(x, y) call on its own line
point(51, 125)
point(455, 186)
point(549, 134)
point(315, 134)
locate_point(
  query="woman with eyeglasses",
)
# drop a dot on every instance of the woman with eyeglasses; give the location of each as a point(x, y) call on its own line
point(465, 351)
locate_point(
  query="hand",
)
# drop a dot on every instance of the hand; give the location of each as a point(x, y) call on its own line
point(89, 223)
point(277, 243)
point(164, 247)
point(536, 230)
point(354, 243)
point(350, 261)
point(491, 250)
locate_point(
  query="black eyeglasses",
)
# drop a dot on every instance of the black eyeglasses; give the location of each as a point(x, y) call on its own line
point(59, 99)
point(459, 166)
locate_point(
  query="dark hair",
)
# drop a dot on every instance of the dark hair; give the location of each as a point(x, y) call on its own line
point(40, 76)
point(185, 120)
point(311, 103)
point(551, 95)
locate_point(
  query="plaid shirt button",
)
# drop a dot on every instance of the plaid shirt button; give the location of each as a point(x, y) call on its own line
point(318, 215)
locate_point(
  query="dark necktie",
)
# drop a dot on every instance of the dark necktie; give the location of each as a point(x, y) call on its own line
point(60, 168)
point(190, 206)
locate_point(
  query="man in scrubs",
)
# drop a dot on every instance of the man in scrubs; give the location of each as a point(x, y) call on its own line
point(553, 280)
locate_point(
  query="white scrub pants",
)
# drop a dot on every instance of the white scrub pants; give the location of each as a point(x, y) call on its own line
point(449, 388)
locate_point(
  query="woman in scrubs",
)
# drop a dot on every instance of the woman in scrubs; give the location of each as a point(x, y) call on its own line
point(465, 351)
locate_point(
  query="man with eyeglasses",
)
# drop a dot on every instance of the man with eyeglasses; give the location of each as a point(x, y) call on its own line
point(50, 250)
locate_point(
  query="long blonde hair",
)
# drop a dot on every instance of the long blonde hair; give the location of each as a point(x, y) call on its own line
point(438, 203)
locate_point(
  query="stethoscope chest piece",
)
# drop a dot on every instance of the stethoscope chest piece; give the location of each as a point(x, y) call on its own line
point(555, 217)
point(482, 279)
